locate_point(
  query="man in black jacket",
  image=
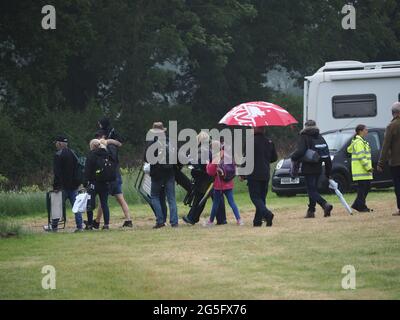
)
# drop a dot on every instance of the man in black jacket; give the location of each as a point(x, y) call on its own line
point(311, 139)
point(258, 180)
point(162, 175)
point(65, 166)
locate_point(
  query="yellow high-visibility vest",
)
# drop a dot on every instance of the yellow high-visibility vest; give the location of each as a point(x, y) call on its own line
point(361, 163)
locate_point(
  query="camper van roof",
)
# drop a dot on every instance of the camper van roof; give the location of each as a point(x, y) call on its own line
point(357, 65)
point(351, 70)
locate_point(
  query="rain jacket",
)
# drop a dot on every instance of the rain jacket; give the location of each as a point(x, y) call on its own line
point(219, 183)
point(361, 163)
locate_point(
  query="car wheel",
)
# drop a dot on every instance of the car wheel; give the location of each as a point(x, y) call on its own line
point(342, 182)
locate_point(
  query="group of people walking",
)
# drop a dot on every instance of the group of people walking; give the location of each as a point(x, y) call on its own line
point(362, 169)
point(102, 174)
point(218, 175)
point(101, 178)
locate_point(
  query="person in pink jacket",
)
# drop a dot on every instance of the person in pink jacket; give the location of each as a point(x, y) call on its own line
point(221, 187)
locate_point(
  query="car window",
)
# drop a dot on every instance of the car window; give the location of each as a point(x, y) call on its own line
point(336, 140)
point(373, 140)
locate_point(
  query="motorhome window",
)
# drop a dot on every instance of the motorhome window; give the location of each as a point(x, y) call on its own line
point(354, 106)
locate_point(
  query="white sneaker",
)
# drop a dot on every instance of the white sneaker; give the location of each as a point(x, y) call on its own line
point(240, 222)
point(208, 223)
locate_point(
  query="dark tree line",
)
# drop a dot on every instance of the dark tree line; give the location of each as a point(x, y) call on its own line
point(138, 61)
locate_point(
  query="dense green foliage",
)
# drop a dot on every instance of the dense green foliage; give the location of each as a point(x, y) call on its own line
point(138, 61)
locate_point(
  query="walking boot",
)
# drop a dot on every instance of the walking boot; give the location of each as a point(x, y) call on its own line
point(327, 210)
point(310, 214)
point(269, 220)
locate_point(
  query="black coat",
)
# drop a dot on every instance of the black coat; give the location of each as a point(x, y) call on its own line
point(91, 162)
point(159, 171)
point(309, 137)
point(264, 155)
point(64, 167)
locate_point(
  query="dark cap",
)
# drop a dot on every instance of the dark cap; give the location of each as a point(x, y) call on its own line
point(100, 134)
point(61, 139)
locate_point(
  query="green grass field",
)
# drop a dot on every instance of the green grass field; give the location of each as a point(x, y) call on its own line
point(295, 259)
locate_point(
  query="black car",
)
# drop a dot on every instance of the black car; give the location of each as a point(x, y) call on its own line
point(338, 141)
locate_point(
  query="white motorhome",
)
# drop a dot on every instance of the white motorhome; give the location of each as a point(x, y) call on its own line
point(343, 94)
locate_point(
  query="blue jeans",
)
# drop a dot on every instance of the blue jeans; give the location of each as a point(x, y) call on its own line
point(313, 194)
point(218, 197)
point(71, 196)
point(101, 189)
point(157, 188)
point(258, 190)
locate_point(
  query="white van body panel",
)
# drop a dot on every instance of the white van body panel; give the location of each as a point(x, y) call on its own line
point(381, 79)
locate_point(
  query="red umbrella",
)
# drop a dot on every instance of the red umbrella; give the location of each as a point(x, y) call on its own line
point(258, 114)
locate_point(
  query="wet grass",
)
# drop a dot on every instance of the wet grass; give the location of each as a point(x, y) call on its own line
point(295, 259)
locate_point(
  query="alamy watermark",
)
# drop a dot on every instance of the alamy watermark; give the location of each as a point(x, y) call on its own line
point(349, 20)
point(49, 20)
point(49, 280)
point(227, 145)
point(349, 281)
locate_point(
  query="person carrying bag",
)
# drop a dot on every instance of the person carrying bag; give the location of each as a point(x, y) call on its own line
point(312, 150)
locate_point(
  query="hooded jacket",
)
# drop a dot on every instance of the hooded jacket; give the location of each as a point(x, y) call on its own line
point(219, 183)
point(309, 138)
point(90, 165)
point(361, 163)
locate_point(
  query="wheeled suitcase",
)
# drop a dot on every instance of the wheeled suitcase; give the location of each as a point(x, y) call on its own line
point(56, 213)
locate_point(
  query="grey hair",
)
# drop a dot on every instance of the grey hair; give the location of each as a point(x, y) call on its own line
point(396, 108)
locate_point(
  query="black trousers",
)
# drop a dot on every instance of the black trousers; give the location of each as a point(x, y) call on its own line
point(258, 190)
point(396, 180)
point(314, 196)
point(196, 210)
point(202, 182)
point(363, 188)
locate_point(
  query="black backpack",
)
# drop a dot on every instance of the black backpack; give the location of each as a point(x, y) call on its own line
point(106, 167)
point(79, 169)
